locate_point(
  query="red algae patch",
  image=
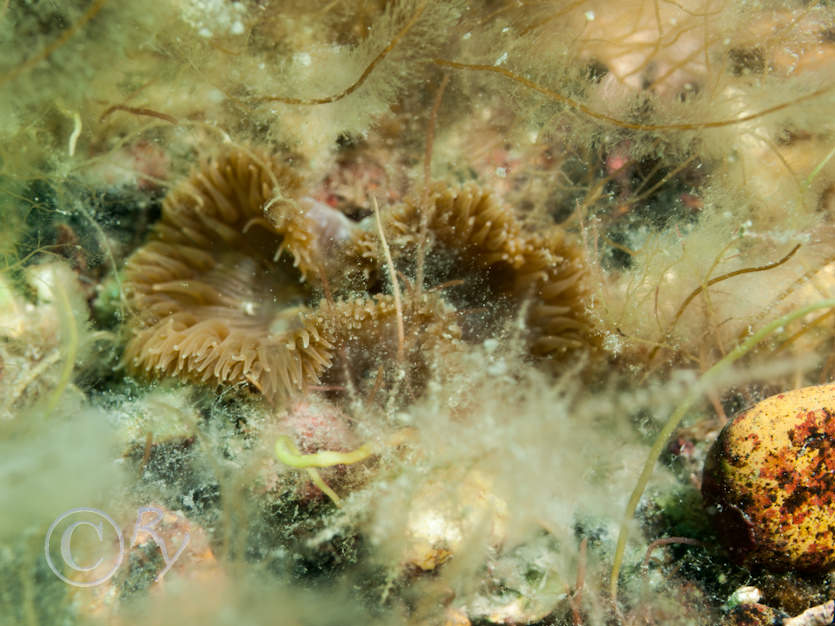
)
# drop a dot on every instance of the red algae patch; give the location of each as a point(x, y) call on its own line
point(769, 482)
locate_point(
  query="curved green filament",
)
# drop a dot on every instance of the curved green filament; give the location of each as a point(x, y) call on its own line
point(317, 480)
point(807, 183)
point(287, 452)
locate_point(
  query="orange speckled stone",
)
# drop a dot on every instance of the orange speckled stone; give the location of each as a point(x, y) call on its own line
point(769, 482)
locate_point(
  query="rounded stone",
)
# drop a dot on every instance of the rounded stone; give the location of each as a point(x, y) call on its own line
point(769, 482)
